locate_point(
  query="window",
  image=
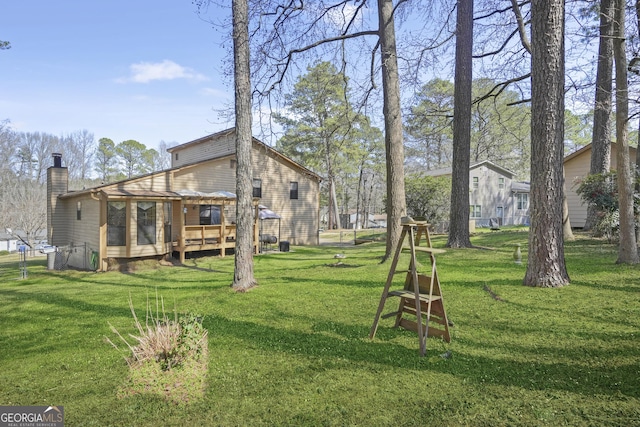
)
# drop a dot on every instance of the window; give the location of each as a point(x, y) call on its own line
point(146, 223)
point(475, 182)
point(232, 163)
point(116, 223)
point(79, 211)
point(522, 201)
point(176, 156)
point(501, 183)
point(210, 214)
point(168, 212)
point(293, 190)
point(257, 188)
point(475, 211)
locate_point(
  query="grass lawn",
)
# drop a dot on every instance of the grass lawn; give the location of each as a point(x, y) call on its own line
point(295, 351)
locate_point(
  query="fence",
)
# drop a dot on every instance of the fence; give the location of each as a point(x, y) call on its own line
point(81, 257)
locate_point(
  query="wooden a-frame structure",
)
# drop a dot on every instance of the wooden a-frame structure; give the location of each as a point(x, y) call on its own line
point(421, 296)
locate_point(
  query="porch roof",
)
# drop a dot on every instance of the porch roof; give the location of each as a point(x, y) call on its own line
point(120, 193)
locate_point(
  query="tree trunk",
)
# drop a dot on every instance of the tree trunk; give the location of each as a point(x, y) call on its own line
point(637, 175)
point(567, 232)
point(243, 273)
point(358, 205)
point(601, 138)
point(396, 203)
point(333, 205)
point(627, 251)
point(546, 265)
point(459, 214)
point(637, 171)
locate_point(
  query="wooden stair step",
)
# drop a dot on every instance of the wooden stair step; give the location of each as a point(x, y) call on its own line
point(425, 249)
point(412, 295)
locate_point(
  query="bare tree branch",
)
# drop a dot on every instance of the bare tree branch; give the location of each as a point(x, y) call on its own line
point(521, 25)
point(500, 87)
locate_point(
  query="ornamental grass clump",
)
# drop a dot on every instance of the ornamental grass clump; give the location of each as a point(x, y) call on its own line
point(167, 342)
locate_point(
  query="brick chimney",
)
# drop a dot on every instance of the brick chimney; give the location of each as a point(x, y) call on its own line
point(57, 184)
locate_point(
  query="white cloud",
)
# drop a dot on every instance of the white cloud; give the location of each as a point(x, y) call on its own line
point(145, 72)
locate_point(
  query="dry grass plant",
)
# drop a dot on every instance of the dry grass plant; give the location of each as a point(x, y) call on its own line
point(168, 342)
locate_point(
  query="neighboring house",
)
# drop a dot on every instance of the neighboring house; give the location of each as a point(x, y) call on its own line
point(348, 220)
point(188, 208)
point(494, 194)
point(380, 220)
point(576, 167)
point(15, 239)
point(8, 242)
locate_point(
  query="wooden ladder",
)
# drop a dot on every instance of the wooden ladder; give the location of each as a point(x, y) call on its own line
point(421, 295)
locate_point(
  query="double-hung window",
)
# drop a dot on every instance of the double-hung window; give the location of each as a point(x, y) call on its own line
point(257, 188)
point(116, 223)
point(522, 200)
point(146, 218)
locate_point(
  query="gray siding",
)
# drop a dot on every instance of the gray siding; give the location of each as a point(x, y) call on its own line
point(491, 197)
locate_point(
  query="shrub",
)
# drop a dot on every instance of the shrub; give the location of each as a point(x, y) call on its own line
point(168, 342)
point(2, 253)
point(601, 192)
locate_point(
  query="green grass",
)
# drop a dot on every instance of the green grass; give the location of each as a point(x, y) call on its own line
point(295, 351)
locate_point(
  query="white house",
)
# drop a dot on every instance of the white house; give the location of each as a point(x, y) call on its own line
point(494, 194)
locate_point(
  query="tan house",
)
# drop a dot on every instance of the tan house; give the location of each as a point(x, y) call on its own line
point(188, 208)
point(494, 195)
point(279, 183)
point(576, 167)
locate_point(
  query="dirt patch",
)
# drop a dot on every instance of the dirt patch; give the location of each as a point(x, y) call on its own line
point(125, 265)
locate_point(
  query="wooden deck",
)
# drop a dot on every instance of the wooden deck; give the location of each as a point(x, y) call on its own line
point(195, 238)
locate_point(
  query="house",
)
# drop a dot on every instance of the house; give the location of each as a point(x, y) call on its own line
point(576, 167)
point(380, 220)
point(494, 194)
point(187, 208)
point(8, 242)
point(279, 183)
point(349, 219)
point(12, 240)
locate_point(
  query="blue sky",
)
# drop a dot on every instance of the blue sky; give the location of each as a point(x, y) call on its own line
point(147, 70)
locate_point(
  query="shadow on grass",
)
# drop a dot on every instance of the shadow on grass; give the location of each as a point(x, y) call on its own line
point(353, 345)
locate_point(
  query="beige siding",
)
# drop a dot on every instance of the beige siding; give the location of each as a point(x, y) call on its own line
point(214, 175)
point(300, 218)
point(574, 170)
point(86, 229)
point(57, 224)
point(155, 182)
point(211, 148)
point(82, 235)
